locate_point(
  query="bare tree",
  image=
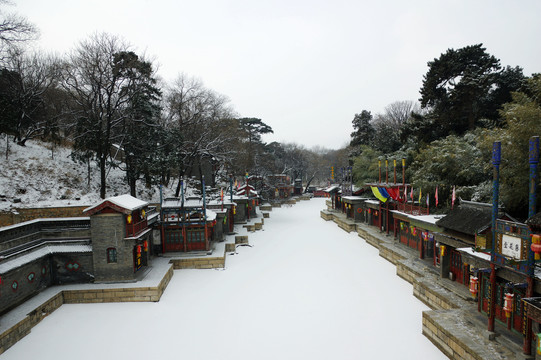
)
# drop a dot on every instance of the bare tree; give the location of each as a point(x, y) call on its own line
point(94, 76)
point(388, 126)
point(14, 30)
point(31, 81)
point(195, 114)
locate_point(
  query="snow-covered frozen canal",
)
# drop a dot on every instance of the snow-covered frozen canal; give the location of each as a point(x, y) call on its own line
point(305, 290)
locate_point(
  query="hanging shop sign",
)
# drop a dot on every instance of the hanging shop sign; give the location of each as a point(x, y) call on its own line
point(512, 246)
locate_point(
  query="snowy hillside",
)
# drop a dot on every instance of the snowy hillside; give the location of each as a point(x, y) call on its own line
point(38, 178)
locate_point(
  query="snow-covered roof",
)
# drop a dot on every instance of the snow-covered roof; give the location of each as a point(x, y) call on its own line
point(375, 202)
point(45, 250)
point(215, 203)
point(211, 215)
point(29, 222)
point(125, 201)
point(470, 251)
point(352, 198)
point(331, 188)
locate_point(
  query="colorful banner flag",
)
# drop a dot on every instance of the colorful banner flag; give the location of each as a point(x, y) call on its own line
point(428, 200)
point(420, 196)
point(436, 196)
point(406, 193)
point(378, 194)
point(411, 193)
point(394, 193)
point(453, 197)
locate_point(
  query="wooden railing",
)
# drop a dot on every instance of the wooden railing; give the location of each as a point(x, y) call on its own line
point(136, 227)
point(412, 209)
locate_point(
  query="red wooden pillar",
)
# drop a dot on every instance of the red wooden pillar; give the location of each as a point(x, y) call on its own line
point(184, 233)
point(379, 217)
point(421, 243)
point(387, 217)
point(206, 238)
point(492, 298)
point(163, 239)
point(527, 348)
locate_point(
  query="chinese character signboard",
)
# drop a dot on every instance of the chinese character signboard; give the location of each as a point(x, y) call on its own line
point(511, 246)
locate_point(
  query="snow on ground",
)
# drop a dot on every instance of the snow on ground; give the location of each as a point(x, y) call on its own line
point(305, 290)
point(40, 177)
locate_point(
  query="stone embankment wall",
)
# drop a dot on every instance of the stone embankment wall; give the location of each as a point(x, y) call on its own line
point(199, 263)
point(19, 215)
point(136, 294)
point(443, 325)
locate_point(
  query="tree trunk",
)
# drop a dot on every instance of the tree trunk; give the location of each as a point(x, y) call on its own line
point(308, 183)
point(177, 191)
point(88, 173)
point(132, 182)
point(102, 176)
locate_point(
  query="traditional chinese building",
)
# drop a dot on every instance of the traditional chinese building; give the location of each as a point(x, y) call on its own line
point(120, 237)
point(464, 226)
point(186, 225)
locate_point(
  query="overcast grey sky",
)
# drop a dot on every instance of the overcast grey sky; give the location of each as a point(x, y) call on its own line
point(305, 67)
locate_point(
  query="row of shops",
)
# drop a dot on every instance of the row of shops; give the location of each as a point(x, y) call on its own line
point(114, 241)
point(476, 245)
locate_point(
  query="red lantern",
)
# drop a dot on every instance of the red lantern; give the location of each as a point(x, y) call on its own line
point(139, 249)
point(508, 305)
point(474, 285)
point(145, 245)
point(536, 246)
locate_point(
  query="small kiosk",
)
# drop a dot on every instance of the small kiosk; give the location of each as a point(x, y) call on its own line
point(186, 225)
point(120, 237)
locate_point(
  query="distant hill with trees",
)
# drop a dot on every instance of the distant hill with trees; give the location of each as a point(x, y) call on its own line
point(468, 100)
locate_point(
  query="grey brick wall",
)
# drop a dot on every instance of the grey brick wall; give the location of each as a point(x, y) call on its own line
point(109, 231)
point(11, 296)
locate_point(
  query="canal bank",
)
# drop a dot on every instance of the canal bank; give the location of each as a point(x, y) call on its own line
point(301, 289)
point(453, 325)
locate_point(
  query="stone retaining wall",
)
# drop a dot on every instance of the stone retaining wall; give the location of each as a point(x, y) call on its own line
point(23, 328)
point(325, 215)
point(137, 294)
point(199, 263)
point(445, 341)
point(346, 225)
point(391, 254)
point(407, 273)
point(434, 297)
point(25, 214)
